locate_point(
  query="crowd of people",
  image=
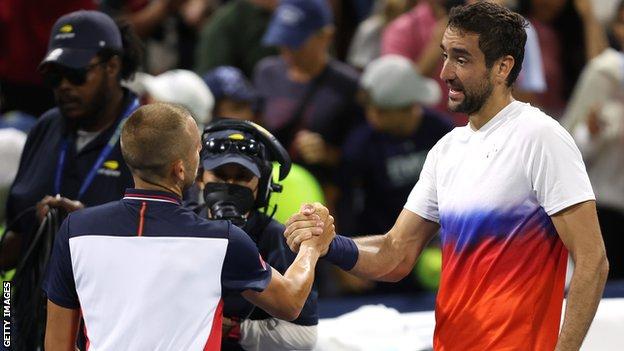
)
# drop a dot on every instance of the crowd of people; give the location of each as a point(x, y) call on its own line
point(355, 92)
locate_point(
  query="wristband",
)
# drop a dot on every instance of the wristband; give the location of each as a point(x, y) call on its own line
point(343, 252)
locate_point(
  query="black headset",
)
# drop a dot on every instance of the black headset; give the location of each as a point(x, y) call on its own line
point(276, 152)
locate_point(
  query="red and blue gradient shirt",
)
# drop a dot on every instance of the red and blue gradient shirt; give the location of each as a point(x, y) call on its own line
point(503, 264)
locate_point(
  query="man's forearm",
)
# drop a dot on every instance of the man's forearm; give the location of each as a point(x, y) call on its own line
point(378, 258)
point(584, 296)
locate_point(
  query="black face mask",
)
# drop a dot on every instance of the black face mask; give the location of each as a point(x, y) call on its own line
point(229, 201)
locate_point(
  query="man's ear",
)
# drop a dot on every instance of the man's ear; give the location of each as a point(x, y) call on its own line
point(503, 68)
point(113, 66)
point(178, 170)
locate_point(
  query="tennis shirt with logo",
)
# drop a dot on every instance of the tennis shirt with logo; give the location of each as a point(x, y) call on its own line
point(503, 264)
point(149, 274)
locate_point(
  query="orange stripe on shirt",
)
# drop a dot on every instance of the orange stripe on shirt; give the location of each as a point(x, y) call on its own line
point(142, 218)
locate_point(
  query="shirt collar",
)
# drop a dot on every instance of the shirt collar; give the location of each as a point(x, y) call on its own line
point(152, 195)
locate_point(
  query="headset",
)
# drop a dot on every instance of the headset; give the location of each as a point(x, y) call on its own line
point(276, 152)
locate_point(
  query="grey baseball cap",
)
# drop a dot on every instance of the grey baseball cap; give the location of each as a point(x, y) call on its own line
point(392, 81)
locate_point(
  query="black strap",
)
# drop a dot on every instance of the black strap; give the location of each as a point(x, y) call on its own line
point(294, 124)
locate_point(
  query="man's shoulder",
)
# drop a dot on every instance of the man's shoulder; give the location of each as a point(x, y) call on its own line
point(267, 70)
point(48, 119)
point(270, 64)
point(344, 72)
point(87, 219)
point(532, 121)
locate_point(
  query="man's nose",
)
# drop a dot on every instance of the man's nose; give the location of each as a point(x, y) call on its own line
point(447, 73)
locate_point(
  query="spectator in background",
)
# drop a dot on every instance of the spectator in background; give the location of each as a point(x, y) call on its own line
point(595, 118)
point(569, 36)
point(366, 44)
point(383, 158)
point(232, 36)
point(180, 87)
point(167, 27)
point(307, 97)
point(385, 155)
point(11, 145)
point(417, 35)
point(234, 95)
point(24, 32)
point(72, 157)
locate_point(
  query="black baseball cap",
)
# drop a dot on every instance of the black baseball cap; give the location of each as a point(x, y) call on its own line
point(78, 36)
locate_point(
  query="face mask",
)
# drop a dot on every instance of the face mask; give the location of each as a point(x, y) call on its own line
point(229, 201)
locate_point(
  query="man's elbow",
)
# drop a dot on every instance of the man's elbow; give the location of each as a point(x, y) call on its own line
point(603, 267)
point(289, 312)
point(596, 265)
point(397, 274)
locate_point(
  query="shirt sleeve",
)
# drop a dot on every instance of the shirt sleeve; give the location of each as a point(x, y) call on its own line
point(244, 268)
point(423, 200)
point(59, 283)
point(558, 176)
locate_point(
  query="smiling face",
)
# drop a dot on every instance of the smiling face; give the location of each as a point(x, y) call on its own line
point(464, 71)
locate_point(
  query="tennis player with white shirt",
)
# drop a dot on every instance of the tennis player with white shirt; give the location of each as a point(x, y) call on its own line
point(511, 197)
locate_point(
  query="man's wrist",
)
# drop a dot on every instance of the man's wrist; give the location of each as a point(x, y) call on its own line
point(343, 252)
point(311, 249)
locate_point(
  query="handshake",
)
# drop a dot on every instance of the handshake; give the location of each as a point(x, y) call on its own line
point(312, 226)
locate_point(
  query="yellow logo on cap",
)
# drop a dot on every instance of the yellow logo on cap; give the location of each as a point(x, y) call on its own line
point(68, 28)
point(111, 164)
point(236, 136)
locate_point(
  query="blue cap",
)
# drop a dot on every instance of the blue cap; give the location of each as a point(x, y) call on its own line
point(78, 36)
point(294, 21)
point(229, 82)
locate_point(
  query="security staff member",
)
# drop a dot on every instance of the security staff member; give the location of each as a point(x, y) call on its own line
point(72, 157)
point(237, 182)
point(112, 274)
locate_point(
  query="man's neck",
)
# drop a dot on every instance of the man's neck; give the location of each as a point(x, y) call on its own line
point(309, 72)
point(491, 108)
point(143, 184)
point(109, 114)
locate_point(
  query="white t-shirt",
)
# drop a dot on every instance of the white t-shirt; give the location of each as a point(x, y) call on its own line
point(521, 156)
point(503, 265)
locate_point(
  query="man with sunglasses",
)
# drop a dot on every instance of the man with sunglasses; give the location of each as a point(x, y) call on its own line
point(236, 166)
point(72, 157)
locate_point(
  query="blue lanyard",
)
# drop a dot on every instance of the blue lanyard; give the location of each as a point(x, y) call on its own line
point(100, 160)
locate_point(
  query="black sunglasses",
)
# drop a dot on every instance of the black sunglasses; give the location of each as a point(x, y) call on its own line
point(248, 147)
point(76, 76)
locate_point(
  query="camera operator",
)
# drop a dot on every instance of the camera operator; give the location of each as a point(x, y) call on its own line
point(236, 181)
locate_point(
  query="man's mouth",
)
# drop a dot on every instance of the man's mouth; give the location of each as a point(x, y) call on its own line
point(456, 93)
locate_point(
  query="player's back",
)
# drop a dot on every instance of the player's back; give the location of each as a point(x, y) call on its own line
point(148, 274)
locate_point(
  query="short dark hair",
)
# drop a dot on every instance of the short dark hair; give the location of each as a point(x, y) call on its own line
point(154, 136)
point(501, 32)
point(132, 54)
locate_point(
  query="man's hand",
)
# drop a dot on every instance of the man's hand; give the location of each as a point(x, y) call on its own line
point(310, 146)
point(43, 206)
point(311, 222)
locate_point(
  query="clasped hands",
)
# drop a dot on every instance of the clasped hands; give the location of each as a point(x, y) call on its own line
point(311, 226)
